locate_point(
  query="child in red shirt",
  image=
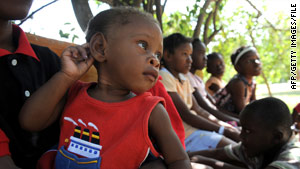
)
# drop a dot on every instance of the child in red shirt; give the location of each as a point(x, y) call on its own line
point(106, 124)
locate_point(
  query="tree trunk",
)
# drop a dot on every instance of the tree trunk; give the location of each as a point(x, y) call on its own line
point(82, 12)
point(201, 18)
point(159, 13)
point(262, 71)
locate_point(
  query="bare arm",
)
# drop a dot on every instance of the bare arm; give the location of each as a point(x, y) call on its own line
point(216, 153)
point(212, 109)
point(237, 91)
point(167, 140)
point(229, 131)
point(189, 118)
point(48, 101)
point(253, 96)
point(216, 164)
point(217, 158)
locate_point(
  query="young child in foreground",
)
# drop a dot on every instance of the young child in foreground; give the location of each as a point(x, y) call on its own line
point(216, 67)
point(108, 124)
point(267, 140)
point(240, 90)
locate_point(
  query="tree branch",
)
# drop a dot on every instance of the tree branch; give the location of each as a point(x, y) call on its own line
point(82, 12)
point(163, 8)
point(158, 13)
point(260, 14)
point(214, 34)
point(262, 72)
point(205, 39)
point(29, 16)
point(215, 13)
point(216, 31)
point(201, 18)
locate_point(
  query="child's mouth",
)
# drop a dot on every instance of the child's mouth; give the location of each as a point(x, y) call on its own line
point(152, 75)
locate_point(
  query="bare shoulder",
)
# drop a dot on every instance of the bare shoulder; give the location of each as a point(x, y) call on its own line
point(158, 115)
point(235, 84)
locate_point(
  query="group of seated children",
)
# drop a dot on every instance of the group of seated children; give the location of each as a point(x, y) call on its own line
point(115, 123)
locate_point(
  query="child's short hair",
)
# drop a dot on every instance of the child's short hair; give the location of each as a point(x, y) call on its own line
point(211, 57)
point(273, 112)
point(104, 20)
point(196, 41)
point(174, 40)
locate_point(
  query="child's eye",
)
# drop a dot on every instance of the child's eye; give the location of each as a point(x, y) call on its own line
point(257, 60)
point(143, 44)
point(247, 131)
point(158, 55)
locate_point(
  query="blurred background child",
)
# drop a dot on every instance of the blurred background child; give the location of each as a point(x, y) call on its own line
point(216, 67)
point(240, 90)
point(197, 121)
point(200, 94)
point(296, 119)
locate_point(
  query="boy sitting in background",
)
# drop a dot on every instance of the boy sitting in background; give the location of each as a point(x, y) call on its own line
point(267, 140)
point(296, 119)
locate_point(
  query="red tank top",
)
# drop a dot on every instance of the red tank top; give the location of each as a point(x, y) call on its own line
point(118, 132)
point(4, 148)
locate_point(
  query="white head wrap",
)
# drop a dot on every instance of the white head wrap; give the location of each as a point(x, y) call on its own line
point(243, 52)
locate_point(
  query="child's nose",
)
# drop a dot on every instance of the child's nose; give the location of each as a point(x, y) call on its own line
point(189, 59)
point(154, 61)
point(257, 61)
point(242, 135)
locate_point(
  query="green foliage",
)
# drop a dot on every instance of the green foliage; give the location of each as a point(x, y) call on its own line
point(66, 34)
point(177, 22)
point(273, 45)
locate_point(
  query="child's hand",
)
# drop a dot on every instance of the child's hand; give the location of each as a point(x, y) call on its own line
point(76, 61)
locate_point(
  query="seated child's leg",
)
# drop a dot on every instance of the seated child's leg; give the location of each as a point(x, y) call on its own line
point(203, 140)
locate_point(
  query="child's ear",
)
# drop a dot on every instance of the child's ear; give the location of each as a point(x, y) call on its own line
point(98, 45)
point(278, 137)
point(166, 55)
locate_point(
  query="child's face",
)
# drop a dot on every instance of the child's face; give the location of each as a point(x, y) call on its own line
point(256, 139)
point(216, 67)
point(14, 9)
point(199, 57)
point(181, 60)
point(133, 54)
point(249, 64)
